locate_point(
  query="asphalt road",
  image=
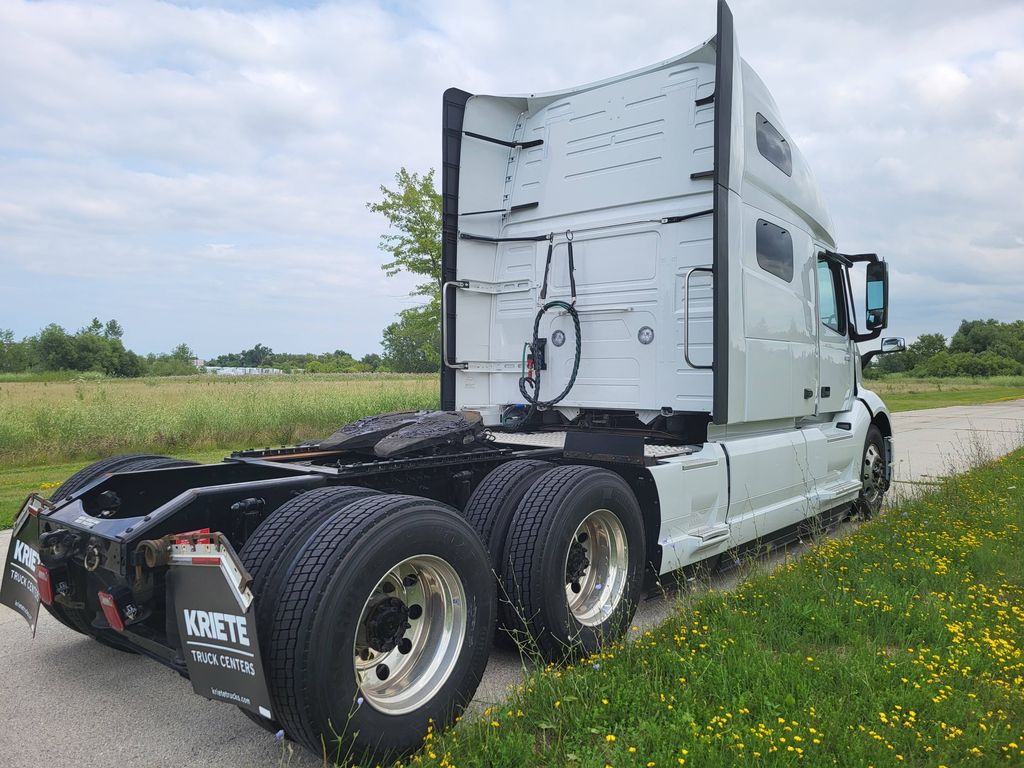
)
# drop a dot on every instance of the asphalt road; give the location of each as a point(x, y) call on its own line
point(66, 700)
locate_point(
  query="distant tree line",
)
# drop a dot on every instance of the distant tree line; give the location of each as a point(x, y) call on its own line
point(95, 348)
point(98, 348)
point(978, 348)
point(261, 356)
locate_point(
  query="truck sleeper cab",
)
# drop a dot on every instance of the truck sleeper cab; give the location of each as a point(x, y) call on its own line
point(649, 362)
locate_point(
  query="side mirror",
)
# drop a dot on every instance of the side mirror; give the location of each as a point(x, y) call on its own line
point(877, 296)
point(893, 344)
point(889, 344)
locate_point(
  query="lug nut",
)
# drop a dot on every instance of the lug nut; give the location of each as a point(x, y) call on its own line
point(582, 537)
point(387, 588)
point(383, 672)
point(404, 645)
point(410, 580)
point(415, 611)
point(575, 586)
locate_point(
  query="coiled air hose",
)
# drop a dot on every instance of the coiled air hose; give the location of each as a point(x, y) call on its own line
point(529, 385)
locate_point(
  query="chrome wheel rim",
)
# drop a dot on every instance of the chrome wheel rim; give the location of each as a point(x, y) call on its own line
point(873, 475)
point(409, 635)
point(595, 568)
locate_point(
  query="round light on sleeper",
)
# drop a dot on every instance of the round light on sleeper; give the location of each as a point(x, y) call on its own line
point(558, 338)
point(646, 335)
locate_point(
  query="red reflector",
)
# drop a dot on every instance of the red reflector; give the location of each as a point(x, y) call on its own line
point(189, 533)
point(205, 561)
point(111, 612)
point(43, 582)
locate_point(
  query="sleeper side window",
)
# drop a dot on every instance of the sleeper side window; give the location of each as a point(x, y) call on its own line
point(774, 247)
point(773, 146)
point(829, 299)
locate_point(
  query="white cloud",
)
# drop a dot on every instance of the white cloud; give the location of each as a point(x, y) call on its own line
point(940, 84)
point(200, 171)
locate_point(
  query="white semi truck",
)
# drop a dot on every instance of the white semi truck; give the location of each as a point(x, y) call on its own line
point(650, 361)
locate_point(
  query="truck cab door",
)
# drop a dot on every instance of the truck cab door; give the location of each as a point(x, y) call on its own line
point(835, 350)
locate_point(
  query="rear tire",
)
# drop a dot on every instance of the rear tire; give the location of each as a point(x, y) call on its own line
point(88, 475)
point(78, 619)
point(271, 550)
point(273, 547)
point(380, 567)
point(574, 562)
point(493, 504)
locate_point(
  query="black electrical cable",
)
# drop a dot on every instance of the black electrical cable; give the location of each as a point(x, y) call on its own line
point(532, 383)
point(547, 269)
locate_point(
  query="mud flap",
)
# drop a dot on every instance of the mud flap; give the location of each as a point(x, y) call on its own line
point(216, 620)
point(19, 589)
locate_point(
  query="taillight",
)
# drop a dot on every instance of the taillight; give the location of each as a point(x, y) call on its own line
point(43, 582)
point(111, 612)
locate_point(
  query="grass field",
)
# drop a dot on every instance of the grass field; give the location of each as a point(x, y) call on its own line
point(901, 643)
point(907, 394)
point(45, 422)
point(50, 429)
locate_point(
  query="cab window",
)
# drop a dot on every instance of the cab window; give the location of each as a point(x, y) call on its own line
point(774, 246)
point(772, 146)
point(830, 301)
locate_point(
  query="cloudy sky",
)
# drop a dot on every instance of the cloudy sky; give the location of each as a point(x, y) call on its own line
point(199, 171)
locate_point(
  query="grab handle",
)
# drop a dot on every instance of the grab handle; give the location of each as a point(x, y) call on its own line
point(686, 317)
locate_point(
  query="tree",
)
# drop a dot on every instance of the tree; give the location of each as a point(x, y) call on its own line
point(928, 345)
point(90, 349)
point(985, 363)
point(177, 363)
point(14, 355)
point(371, 361)
point(413, 344)
point(413, 211)
point(130, 365)
point(183, 352)
point(113, 330)
point(54, 349)
point(919, 352)
point(257, 357)
point(1004, 339)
